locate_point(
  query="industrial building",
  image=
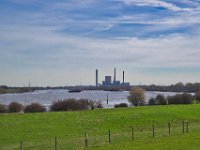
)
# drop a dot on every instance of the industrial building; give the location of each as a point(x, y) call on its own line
point(108, 80)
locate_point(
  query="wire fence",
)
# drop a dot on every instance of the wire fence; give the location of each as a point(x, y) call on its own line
point(92, 138)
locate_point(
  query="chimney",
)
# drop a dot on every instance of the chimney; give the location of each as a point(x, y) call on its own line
point(96, 77)
point(123, 77)
point(114, 74)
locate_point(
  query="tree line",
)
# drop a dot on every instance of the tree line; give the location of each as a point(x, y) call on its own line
point(178, 87)
point(137, 98)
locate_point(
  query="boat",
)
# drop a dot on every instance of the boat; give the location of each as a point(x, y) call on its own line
point(113, 90)
point(74, 91)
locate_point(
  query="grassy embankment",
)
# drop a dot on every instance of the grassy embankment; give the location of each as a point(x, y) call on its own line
point(37, 131)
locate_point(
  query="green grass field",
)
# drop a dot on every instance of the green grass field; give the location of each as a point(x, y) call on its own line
point(37, 131)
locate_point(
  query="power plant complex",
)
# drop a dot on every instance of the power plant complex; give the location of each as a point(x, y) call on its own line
point(108, 80)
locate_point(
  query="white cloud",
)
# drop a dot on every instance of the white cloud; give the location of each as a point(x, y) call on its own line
point(166, 51)
point(155, 3)
point(37, 44)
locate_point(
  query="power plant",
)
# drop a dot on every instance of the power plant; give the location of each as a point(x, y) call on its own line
point(108, 80)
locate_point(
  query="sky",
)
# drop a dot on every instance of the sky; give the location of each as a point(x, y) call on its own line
point(63, 42)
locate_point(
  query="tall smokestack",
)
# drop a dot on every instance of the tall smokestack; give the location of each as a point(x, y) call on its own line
point(96, 77)
point(114, 74)
point(123, 77)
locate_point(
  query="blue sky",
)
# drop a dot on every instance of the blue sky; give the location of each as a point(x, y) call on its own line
point(62, 42)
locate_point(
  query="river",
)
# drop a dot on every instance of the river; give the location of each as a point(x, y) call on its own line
point(47, 97)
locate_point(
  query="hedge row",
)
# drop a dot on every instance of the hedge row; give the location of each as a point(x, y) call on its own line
point(15, 107)
point(64, 105)
point(184, 98)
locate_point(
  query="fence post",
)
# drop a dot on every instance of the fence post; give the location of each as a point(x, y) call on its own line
point(86, 139)
point(107, 99)
point(183, 126)
point(56, 144)
point(109, 139)
point(21, 145)
point(153, 129)
point(187, 126)
point(169, 127)
point(133, 134)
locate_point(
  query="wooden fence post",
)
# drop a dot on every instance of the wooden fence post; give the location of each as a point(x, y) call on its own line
point(107, 98)
point(109, 139)
point(56, 144)
point(187, 126)
point(153, 129)
point(183, 126)
point(169, 127)
point(133, 134)
point(21, 145)
point(86, 139)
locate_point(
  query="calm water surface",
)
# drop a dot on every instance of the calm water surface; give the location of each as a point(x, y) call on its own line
point(47, 97)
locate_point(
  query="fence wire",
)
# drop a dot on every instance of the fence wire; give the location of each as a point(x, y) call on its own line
point(97, 138)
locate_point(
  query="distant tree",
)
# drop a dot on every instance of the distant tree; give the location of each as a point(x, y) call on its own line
point(71, 105)
point(161, 100)
point(152, 101)
point(180, 99)
point(2, 90)
point(3, 109)
point(34, 107)
point(197, 96)
point(137, 96)
point(4, 87)
point(179, 84)
point(187, 98)
point(15, 107)
point(23, 90)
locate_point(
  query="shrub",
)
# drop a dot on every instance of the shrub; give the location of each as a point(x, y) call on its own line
point(152, 101)
point(121, 105)
point(161, 100)
point(15, 107)
point(137, 96)
point(187, 98)
point(197, 96)
point(99, 105)
point(3, 108)
point(180, 99)
point(94, 104)
point(70, 104)
point(34, 107)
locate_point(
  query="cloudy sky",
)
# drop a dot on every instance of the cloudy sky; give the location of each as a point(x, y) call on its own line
point(62, 42)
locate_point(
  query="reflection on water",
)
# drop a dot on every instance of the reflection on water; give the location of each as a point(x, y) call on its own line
point(46, 97)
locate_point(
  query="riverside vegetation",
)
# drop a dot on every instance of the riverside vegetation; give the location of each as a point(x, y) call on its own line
point(72, 129)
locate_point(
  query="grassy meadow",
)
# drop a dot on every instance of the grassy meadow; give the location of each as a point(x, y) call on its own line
point(37, 130)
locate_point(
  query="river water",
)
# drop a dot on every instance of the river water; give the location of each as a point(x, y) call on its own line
point(47, 97)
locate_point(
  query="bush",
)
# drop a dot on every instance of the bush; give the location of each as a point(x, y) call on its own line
point(34, 107)
point(93, 104)
point(99, 105)
point(152, 101)
point(15, 107)
point(3, 108)
point(197, 96)
point(70, 104)
point(137, 96)
point(161, 100)
point(121, 105)
point(180, 99)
